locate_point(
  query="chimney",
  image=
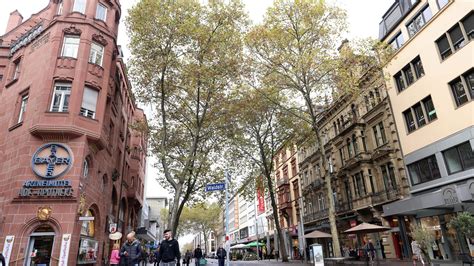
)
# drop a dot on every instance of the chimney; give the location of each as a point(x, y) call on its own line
point(14, 20)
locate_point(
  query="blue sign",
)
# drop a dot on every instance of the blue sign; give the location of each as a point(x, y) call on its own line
point(51, 160)
point(215, 187)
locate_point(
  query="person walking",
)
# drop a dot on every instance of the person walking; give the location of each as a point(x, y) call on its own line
point(416, 249)
point(197, 255)
point(187, 257)
point(370, 251)
point(169, 254)
point(115, 255)
point(221, 255)
point(157, 253)
point(130, 253)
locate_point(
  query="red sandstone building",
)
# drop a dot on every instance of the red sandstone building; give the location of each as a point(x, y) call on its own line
point(72, 169)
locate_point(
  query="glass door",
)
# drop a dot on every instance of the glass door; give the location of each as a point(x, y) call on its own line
point(40, 249)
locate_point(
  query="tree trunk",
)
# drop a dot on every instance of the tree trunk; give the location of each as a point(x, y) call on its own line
point(329, 192)
point(281, 241)
point(173, 220)
point(205, 242)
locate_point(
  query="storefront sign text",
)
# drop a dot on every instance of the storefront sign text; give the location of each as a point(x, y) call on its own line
point(450, 197)
point(7, 248)
point(47, 188)
point(65, 243)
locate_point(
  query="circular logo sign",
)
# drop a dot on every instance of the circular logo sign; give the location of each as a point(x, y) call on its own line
point(51, 160)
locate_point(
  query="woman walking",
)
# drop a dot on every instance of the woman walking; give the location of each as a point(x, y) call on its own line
point(115, 256)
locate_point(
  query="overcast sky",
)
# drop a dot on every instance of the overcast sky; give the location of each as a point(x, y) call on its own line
point(363, 17)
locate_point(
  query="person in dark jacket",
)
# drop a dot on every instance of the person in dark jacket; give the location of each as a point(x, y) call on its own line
point(130, 253)
point(221, 255)
point(197, 255)
point(2, 259)
point(156, 254)
point(169, 250)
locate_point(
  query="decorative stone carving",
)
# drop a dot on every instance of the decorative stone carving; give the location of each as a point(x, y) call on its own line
point(99, 39)
point(72, 30)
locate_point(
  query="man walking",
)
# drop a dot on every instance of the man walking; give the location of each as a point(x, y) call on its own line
point(169, 254)
point(130, 253)
point(221, 255)
point(197, 255)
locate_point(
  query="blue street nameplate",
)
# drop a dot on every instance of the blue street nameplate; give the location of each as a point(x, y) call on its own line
point(215, 187)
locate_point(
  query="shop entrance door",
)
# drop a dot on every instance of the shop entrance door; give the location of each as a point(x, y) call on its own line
point(40, 248)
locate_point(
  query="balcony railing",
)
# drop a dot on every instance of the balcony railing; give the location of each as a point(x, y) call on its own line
point(343, 207)
point(283, 181)
point(384, 196)
point(310, 217)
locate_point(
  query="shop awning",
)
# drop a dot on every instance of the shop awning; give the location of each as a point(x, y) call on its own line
point(143, 233)
point(439, 201)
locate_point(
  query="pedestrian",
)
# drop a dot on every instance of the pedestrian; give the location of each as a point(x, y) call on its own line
point(187, 257)
point(115, 255)
point(131, 251)
point(221, 255)
point(197, 255)
point(277, 255)
point(144, 258)
point(416, 249)
point(370, 250)
point(157, 253)
point(2, 259)
point(169, 254)
point(382, 248)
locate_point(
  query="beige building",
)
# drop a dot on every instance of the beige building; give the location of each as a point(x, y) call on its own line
point(288, 192)
point(430, 82)
point(365, 165)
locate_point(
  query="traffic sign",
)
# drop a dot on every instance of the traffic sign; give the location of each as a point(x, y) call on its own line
point(215, 187)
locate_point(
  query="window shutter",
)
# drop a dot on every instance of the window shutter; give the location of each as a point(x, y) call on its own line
point(443, 44)
point(89, 100)
point(456, 35)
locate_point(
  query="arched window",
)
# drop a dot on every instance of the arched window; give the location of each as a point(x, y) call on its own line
point(85, 168)
point(354, 144)
point(40, 246)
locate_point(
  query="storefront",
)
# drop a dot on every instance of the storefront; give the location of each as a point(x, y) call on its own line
point(433, 211)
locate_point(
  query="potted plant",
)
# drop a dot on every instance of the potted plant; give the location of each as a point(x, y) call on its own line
point(463, 223)
point(424, 238)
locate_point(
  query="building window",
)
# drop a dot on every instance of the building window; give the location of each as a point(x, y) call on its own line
point(70, 46)
point(354, 144)
point(442, 3)
point(443, 47)
point(350, 149)
point(468, 24)
point(424, 170)
point(364, 144)
point(419, 115)
point(79, 6)
point(21, 114)
point(359, 184)
point(379, 134)
point(397, 41)
point(459, 158)
point(85, 168)
point(60, 101)
point(460, 95)
point(410, 122)
point(341, 154)
point(89, 102)
point(388, 175)
point(408, 75)
point(418, 66)
point(101, 12)
point(97, 54)
point(422, 116)
point(419, 21)
point(429, 108)
point(60, 8)
point(400, 82)
point(405, 77)
point(16, 69)
point(321, 202)
point(457, 37)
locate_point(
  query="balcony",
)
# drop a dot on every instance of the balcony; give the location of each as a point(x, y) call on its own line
point(385, 196)
point(348, 125)
point(311, 217)
point(342, 207)
point(358, 158)
point(283, 182)
point(362, 202)
point(285, 205)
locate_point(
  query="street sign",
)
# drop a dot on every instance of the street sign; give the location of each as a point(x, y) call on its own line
point(215, 187)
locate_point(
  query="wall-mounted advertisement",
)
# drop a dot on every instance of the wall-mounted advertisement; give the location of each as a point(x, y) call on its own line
point(317, 254)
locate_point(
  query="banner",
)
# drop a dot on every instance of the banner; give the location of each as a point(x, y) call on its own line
point(64, 255)
point(7, 248)
point(260, 195)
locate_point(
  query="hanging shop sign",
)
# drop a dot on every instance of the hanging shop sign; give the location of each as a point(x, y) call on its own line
point(65, 244)
point(7, 248)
